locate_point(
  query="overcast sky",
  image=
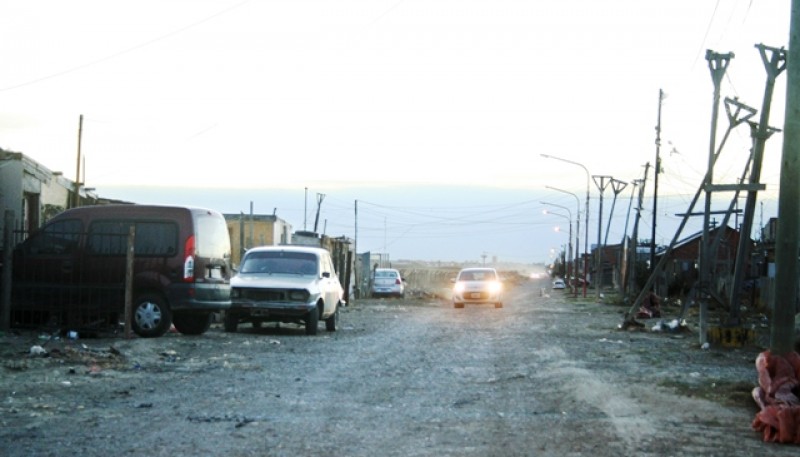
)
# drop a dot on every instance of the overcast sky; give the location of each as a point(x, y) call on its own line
point(431, 112)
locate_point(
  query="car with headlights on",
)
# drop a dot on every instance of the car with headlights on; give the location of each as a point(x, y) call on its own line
point(291, 284)
point(559, 283)
point(477, 286)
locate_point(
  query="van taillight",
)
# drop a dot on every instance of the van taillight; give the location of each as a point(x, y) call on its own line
point(188, 260)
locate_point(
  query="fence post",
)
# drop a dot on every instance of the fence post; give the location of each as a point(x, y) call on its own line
point(129, 280)
point(5, 280)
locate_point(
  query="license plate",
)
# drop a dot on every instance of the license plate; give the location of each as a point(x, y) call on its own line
point(475, 295)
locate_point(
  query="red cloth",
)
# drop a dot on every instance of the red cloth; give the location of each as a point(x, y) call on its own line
point(777, 397)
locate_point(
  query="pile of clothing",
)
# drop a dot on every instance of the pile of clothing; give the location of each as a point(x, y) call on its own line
point(777, 397)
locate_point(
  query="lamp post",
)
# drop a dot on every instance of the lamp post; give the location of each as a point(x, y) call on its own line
point(569, 239)
point(586, 222)
point(574, 268)
point(577, 237)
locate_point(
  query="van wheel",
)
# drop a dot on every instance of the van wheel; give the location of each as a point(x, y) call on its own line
point(192, 323)
point(151, 316)
point(312, 322)
point(332, 320)
point(231, 322)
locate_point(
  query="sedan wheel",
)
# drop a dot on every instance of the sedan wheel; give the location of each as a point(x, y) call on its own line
point(312, 322)
point(231, 322)
point(332, 320)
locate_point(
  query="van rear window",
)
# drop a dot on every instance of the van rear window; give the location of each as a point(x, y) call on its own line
point(211, 236)
point(153, 238)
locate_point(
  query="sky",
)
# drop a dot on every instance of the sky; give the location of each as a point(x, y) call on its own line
point(419, 124)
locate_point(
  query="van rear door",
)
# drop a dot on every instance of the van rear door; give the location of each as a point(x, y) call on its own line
point(212, 253)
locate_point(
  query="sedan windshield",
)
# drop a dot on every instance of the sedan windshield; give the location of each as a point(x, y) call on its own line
point(477, 275)
point(280, 262)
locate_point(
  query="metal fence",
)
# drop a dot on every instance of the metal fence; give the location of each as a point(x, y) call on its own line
point(62, 287)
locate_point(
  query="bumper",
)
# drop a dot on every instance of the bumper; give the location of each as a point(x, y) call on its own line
point(266, 309)
point(199, 297)
point(476, 297)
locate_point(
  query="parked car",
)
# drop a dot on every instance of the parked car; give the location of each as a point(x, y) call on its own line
point(559, 283)
point(72, 271)
point(387, 282)
point(479, 286)
point(293, 284)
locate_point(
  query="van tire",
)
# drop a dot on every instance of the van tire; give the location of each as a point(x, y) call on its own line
point(151, 316)
point(192, 323)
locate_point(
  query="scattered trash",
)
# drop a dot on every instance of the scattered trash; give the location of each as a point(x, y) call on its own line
point(275, 342)
point(776, 396)
point(630, 324)
point(651, 307)
point(239, 421)
point(706, 346)
point(72, 335)
point(170, 356)
point(672, 326)
point(606, 340)
point(38, 351)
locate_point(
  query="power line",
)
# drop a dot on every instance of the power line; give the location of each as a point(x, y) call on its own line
point(125, 51)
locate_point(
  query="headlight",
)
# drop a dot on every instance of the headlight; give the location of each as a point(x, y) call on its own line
point(495, 287)
point(459, 287)
point(298, 295)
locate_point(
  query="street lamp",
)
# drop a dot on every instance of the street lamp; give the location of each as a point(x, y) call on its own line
point(573, 271)
point(577, 237)
point(586, 239)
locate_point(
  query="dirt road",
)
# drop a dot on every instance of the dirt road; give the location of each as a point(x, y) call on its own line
point(545, 375)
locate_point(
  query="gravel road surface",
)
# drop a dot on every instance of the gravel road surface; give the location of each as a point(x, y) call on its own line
point(545, 375)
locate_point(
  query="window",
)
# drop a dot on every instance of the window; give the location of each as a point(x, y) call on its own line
point(211, 237)
point(58, 238)
point(153, 238)
point(280, 262)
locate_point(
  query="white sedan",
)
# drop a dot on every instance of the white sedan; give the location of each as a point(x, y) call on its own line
point(477, 285)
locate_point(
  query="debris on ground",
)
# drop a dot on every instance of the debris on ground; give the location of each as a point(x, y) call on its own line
point(670, 326)
point(777, 397)
point(651, 307)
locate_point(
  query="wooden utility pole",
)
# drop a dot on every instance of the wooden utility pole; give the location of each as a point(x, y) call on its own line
point(655, 184)
point(601, 181)
point(76, 199)
point(774, 64)
point(786, 240)
point(6, 244)
point(717, 64)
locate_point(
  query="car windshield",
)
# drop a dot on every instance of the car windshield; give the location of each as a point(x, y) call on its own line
point(280, 262)
point(477, 275)
point(385, 274)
